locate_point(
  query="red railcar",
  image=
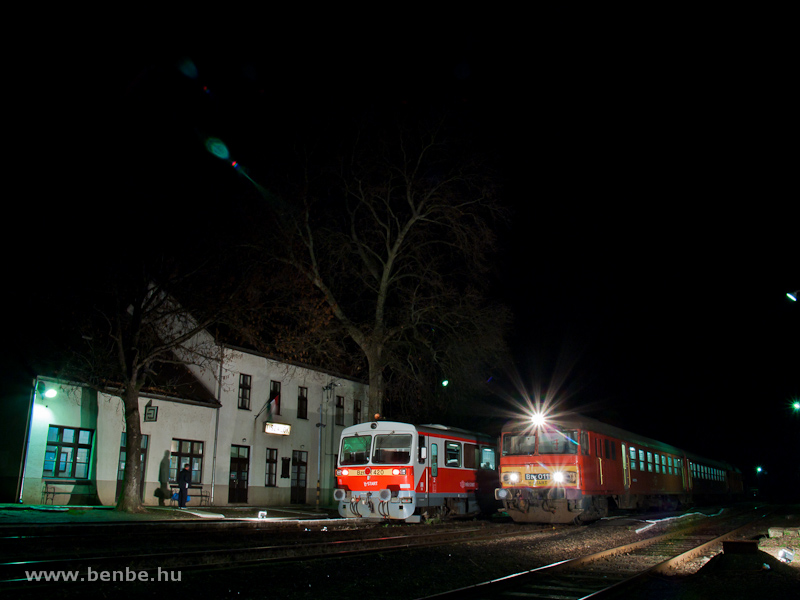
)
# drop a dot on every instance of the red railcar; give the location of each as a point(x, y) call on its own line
point(399, 471)
point(574, 468)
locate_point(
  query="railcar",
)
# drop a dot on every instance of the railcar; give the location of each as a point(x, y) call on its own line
point(574, 469)
point(388, 470)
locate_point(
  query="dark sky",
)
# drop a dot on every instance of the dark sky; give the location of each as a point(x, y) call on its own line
point(653, 240)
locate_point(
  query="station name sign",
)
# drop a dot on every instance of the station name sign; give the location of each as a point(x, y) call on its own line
point(277, 428)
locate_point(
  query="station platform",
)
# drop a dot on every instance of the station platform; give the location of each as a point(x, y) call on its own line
point(22, 514)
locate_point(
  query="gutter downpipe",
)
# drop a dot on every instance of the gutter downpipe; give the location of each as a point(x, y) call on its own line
point(23, 467)
point(216, 424)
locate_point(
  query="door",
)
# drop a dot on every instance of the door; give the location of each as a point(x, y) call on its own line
point(121, 464)
point(626, 468)
point(299, 472)
point(240, 464)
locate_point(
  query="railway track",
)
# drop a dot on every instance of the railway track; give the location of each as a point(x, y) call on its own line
point(14, 572)
point(608, 574)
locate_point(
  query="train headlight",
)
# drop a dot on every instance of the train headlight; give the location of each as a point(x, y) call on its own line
point(398, 471)
point(342, 472)
point(511, 477)
point(558, 477)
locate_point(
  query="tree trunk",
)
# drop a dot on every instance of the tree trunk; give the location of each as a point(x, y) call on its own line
point(130, 499)
point(375, 382)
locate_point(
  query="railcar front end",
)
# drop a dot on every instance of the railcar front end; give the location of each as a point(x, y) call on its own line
point(375, 476)
point(540, 475)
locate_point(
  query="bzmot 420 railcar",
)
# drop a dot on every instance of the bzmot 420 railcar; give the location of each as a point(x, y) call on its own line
point(573, 469)
point(398, 471)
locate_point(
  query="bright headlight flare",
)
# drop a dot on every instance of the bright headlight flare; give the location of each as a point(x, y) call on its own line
point(512, 477)
point(558, 477)
point(342, 472)
point(538, 419)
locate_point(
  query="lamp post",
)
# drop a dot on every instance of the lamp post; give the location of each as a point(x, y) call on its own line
point(320, 425)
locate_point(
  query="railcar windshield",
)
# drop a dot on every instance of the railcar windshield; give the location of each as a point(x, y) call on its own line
point(550, 442)
point(392, 449)
point(355, 450)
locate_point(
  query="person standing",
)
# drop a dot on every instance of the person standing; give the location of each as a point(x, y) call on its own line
point(184, 479)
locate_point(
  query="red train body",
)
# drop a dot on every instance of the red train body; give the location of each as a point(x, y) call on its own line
point(573, 469)
point(399, 471)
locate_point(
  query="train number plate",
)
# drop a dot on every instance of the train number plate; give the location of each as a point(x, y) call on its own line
point(537, 476)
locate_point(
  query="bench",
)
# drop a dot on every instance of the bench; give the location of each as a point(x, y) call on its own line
point(195, 491)
point(49, 492)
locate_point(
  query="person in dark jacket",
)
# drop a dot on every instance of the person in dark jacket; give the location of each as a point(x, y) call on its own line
point(184, 479)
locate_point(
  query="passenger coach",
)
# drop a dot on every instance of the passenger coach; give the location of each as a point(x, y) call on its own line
point(399, 471)
point(574, 469)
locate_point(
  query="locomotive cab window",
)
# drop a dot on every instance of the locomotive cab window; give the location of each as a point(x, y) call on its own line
point(518, 444)
point(355, 450)
point(392, 449)
point(558, 442)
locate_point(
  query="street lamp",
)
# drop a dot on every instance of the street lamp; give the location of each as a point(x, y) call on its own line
point(793, 295)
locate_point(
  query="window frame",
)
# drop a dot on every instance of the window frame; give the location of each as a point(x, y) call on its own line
point(302, 402)
point(183, 457)
point(339, 412)
point(275, 396)
point(245, 390)
point(75, 446)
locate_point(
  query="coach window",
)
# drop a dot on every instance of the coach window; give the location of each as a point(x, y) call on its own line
point(633, 458)
point(658, 464)
point(488, 459)
point(471, 456)
point(650, 462)
point(641, 460)
point(452, 454)
point(434, 460)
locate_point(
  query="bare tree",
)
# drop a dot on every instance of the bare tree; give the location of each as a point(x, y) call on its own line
point(397, 248)
point(132, 332)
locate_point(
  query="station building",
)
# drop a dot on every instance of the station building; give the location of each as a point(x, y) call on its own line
point(256, 431)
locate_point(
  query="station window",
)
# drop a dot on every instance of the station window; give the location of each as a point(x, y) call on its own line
point(339, 416)
point(302, 402)
point(245, 388)
point(271, 474)
point(183, 452)
point(452, 454)
point(67, 453)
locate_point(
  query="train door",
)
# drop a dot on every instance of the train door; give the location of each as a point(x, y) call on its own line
point(433, 487)
point(598, 452)
point(626, 467)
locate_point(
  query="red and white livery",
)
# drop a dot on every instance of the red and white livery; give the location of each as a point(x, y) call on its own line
point(398, 471)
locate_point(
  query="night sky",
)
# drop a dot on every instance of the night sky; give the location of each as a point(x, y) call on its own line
point(653, 240)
